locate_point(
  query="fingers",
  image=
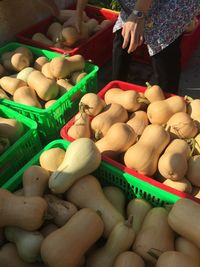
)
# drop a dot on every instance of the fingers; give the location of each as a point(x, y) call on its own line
point(126, 34)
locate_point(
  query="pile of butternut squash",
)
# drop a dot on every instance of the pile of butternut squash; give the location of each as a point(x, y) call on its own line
point(63, 217)
point(38, 82)
point(62, 33)
point(153, 135)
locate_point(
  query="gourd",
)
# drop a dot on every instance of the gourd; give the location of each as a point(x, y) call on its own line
point(11, 129)
point(27, 212)
point(130, 100)
point(120, 239)
point(91, 25)
point(116, 197)
point(54, 32)
point(60, 211)
point(62, 67)
point(129, 259)
point(138, 121)
point(26, 96)
point(155, 233)
point(75, 164)
point(46, 71)
point(65, 14)
point(23, 74)
point(39, 62)
point(28, 243)
point(197, 144)
point(81, 126)
point(193, 109)
point(41, 38)
point(193, 171)
point(154, 93)
point(183, 218)
point(10, 84)
point(64, 240)
point(159, 112)
point(144, 155)
point(138, 208)
point(71, 36)
point(102, 122)
point(87, 192)
point(173, 164)
point(64, 86)
point(49, 103)
point(91, 104)
point(181, 125)
point(45, 88)
point(35, 181)
point(3, 94)
point(19, 61)
point(119, 137)
point(77, 76)
point(26, 52)
point(51, 159)
point(182, 185)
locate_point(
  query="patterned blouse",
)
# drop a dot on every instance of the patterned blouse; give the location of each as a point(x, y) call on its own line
point(165, 22)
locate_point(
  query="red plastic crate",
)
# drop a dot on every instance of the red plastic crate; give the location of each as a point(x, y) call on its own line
point(127, 86)
point(97, 48)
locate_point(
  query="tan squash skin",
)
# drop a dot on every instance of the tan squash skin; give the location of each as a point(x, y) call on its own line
point(91, 104)
point(138, 208)
point(175, 259)
point(193, 109)
point(52, 158)
point(182, 185)
point(27, 213)
point(183, 219)
point(196, 191)
point(154, 93)
point(81, 126)
point(49, 103)
point(197, 145)
point(60, 210)
point(138, 121)
point(48, 229)
point(77, 76)
point(180, 125)
point(46, 71)
point(71, 36)
point(64, 240)
point(87, 192)
point(154, 233)
point(3, 94)
point(159, 112)
point(64, 86)
point(28, 243)
point(54, 31)
point(11, 129)
point(35, 181)
point(130, 100)
point(173, 164)
point(27, 96)
point(23, 74)
point(129, 259)
point(119, 137)
point(20, 61)
point(62, 67)
point(40, 37)
point(120, 239)
point(39, 62)
point(188, 248)
point(102, 122)
point(144, 155)
point(194, 170)
point(10, 258)
point(91, 24)
point(45, 88)
point(10, 84)
point(25, 51)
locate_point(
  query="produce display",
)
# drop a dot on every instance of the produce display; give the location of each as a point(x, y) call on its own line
point(154, 134)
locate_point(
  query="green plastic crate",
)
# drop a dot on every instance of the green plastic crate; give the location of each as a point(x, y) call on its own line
point(51, 120)
point(108, 175)
point(20, 152)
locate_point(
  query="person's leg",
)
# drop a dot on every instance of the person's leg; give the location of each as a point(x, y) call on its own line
point(167, 67)
point(120, 59)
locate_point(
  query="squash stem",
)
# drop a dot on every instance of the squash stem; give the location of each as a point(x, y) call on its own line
point(188, 99)
point(148, 85)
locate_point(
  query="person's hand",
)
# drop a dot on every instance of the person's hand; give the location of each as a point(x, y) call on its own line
point(74, 21)
point(132, 32)
point(52, 6)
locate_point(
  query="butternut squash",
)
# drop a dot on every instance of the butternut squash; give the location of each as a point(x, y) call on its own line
point(59, 210)
point(35, 181)
point(194, 170)
point(39, 62)
point(75, 164)
point(129, 259)
point(20, 61)
point(46, 71)
point(155, 233)
point(120, 239)
point(119, 137)
point(64, 86)
point(28, 243)
point(154, 93)
point(144, 155)
point(64, 240)
point(87, 192)
point(11, 129)
point(10, 85)
point(71, 36)
point(54, 32)
point(105, 23)
point(138, 208)
point(48, 229)
point(3, 94)
point(91, 104)
point(197, 144)
point(193, 109)
point(81, 126)
point(27, 212)
point(91, 25)
point(41, 38)
point(183, 218)
point(77, 76)
point(102, 122)
point(52, 158)
point(159, 112)
point(23, 74)
point(45, 88)
point(26, 96)
point(180, 125)
point(173, 164)
point(182, 185)
point(49, 103)
point(138, 121)
point(65, 14)
point(26, 52)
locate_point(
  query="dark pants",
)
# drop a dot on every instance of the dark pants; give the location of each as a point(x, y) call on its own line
point(166, 64)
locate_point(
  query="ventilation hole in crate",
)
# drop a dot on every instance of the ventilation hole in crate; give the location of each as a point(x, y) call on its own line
point(143, 193)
